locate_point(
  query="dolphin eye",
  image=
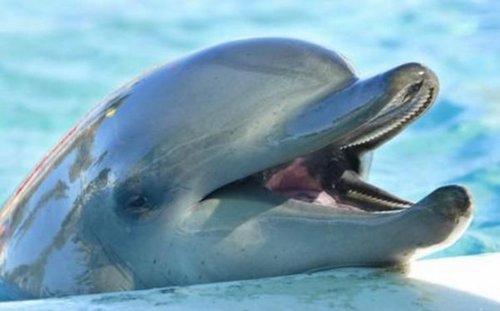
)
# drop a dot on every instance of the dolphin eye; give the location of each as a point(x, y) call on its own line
point(137, 201)
point(138, 207)
point(138, 204)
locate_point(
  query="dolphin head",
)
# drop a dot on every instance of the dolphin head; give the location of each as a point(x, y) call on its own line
point(247, 160)
point(254, 163)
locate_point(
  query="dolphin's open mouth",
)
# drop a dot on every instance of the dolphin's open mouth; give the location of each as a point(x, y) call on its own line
point(331, 176)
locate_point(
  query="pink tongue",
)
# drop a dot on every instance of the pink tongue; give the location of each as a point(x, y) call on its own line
point(295, 181)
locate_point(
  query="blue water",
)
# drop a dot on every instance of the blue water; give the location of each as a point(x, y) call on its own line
point(59, 58)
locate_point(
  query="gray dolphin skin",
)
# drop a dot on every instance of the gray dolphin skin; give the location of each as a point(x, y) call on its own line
point(244, 160)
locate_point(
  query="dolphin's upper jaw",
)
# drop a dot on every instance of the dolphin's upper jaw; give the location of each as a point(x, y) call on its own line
point(410, 92)
point(330, 176)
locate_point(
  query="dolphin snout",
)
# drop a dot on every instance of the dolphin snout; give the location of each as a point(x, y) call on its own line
point(452, 202)
point(410, 74)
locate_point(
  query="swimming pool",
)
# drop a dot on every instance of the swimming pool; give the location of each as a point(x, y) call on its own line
point(58, 59)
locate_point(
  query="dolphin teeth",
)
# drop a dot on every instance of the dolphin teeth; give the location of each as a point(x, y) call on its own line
point(353, 194)
point(414, 112)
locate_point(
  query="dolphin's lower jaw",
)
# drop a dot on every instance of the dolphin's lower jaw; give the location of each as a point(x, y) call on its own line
point(280, 236)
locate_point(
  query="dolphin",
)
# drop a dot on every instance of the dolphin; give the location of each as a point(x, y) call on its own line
point(243, 160)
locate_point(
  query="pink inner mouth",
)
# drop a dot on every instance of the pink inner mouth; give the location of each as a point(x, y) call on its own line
point(295, 181)
point(334, 185)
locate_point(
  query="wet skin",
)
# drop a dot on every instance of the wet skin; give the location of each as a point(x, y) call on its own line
point(240, 161)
